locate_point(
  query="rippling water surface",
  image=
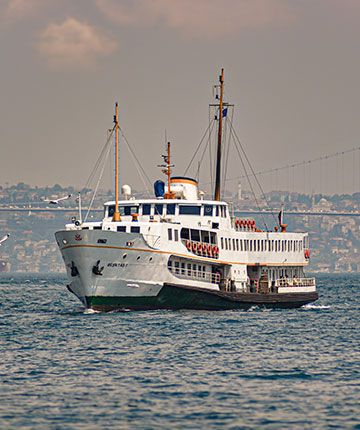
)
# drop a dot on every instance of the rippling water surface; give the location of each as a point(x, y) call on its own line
point(63, 367)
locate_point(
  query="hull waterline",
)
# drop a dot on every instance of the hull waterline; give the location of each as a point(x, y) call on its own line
point(177, 297)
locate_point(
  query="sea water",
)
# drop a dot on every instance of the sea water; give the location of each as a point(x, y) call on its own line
point(64, 367)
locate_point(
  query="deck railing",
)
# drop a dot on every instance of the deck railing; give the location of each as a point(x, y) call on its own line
point(295, 282)
point(196, 275)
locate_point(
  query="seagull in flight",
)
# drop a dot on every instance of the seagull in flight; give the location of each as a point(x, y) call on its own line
point(4, 238)
point(56, 201)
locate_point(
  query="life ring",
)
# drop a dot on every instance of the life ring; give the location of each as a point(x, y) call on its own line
point(200, 248)
point(208, 249)
point(188, 245)
point(194, 246)
point(216, 250)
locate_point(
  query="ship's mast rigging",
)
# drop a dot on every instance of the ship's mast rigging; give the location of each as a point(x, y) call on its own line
point(218, 156)
point(116, 216)
point(167, 171)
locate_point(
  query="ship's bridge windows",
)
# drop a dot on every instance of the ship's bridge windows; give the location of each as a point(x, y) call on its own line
point(189, 210)
point(123, 210)
point(159, 207)
point(208, 210)
point(146, 209)
point(217, 212)
point(170, 209)
point(128, 210)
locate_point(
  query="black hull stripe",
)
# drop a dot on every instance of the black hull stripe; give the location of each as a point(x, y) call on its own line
point(176, 297)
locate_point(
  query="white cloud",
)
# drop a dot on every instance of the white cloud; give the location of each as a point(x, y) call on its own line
point(73, 44)
point(203, 19)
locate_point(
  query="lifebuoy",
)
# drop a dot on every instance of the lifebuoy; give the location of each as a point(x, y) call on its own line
point(194, 246)
point(208, 249)
point(188, 245)
point(216, 250)
point(200, 248)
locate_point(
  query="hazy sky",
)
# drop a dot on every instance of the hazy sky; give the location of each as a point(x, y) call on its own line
point(292, 69)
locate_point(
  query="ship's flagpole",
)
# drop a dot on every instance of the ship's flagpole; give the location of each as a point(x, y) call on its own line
point(116, 216)
point(218, 157)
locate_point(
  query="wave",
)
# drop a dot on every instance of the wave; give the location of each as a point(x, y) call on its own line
point(312, 306)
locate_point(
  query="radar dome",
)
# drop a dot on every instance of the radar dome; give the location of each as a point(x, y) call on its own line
point(126, 191)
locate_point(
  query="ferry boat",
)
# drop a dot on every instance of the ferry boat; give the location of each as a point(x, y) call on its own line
point(178, 251)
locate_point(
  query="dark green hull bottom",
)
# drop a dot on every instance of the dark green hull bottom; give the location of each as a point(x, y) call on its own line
point(176, 297)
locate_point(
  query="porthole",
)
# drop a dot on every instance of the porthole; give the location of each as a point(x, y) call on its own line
point(65, 241)
point(138, 257)
point(150, 259)
point(124, 256)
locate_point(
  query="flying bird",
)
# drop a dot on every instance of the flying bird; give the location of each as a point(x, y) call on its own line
point(56, 201)
point(4, 238)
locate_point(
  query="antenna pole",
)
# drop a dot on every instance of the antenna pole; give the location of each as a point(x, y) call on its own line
point(116, 216)
point(218, 158)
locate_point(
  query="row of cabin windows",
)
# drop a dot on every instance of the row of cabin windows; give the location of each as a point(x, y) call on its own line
point(195, 235)
point(186, 269)
point(169, 209)
point(261, 245)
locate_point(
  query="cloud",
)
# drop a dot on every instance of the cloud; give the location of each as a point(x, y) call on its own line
point(73, 44)
point(202, 19)
point(23, 9)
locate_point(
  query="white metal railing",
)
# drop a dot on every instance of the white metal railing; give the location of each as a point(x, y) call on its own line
point(196, 275)
point(295, 282)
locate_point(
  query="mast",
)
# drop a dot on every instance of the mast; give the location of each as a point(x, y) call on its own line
point(169, 167)
point(167, 171)
point(116, 216)
point(218, 157)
